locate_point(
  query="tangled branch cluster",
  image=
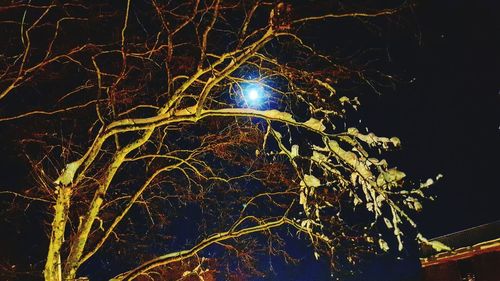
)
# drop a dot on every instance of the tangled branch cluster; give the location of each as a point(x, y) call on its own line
point(143, 131)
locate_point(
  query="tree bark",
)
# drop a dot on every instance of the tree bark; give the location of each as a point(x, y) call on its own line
point(52, 270)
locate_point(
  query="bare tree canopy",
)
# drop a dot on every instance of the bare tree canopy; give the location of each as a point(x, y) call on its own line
point(185, 140)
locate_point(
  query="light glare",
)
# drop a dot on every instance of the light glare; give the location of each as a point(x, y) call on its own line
point(253, 94)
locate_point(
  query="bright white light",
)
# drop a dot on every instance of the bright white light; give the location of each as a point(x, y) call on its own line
point(253, 94)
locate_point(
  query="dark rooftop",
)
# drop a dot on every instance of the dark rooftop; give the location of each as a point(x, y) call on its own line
point(465, 238)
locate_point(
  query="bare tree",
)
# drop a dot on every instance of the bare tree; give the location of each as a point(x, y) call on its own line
point(143, 113)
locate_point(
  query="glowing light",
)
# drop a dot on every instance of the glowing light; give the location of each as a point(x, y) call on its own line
point(253, 94)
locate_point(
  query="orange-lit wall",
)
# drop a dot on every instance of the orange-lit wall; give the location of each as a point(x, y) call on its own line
point(484, 267)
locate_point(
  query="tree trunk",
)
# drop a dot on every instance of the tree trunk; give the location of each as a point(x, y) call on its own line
point(53, 270)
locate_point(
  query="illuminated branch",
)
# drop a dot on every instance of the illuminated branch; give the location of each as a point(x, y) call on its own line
point(181, 255)
point(131, 202)
point(347, 15)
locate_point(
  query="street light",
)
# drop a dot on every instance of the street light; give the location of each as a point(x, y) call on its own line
point(253, 94)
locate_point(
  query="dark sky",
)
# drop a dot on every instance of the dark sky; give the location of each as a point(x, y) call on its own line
point(449, 117)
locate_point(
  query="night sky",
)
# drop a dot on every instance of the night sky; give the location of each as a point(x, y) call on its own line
point(447, 115)
point(445, 110)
